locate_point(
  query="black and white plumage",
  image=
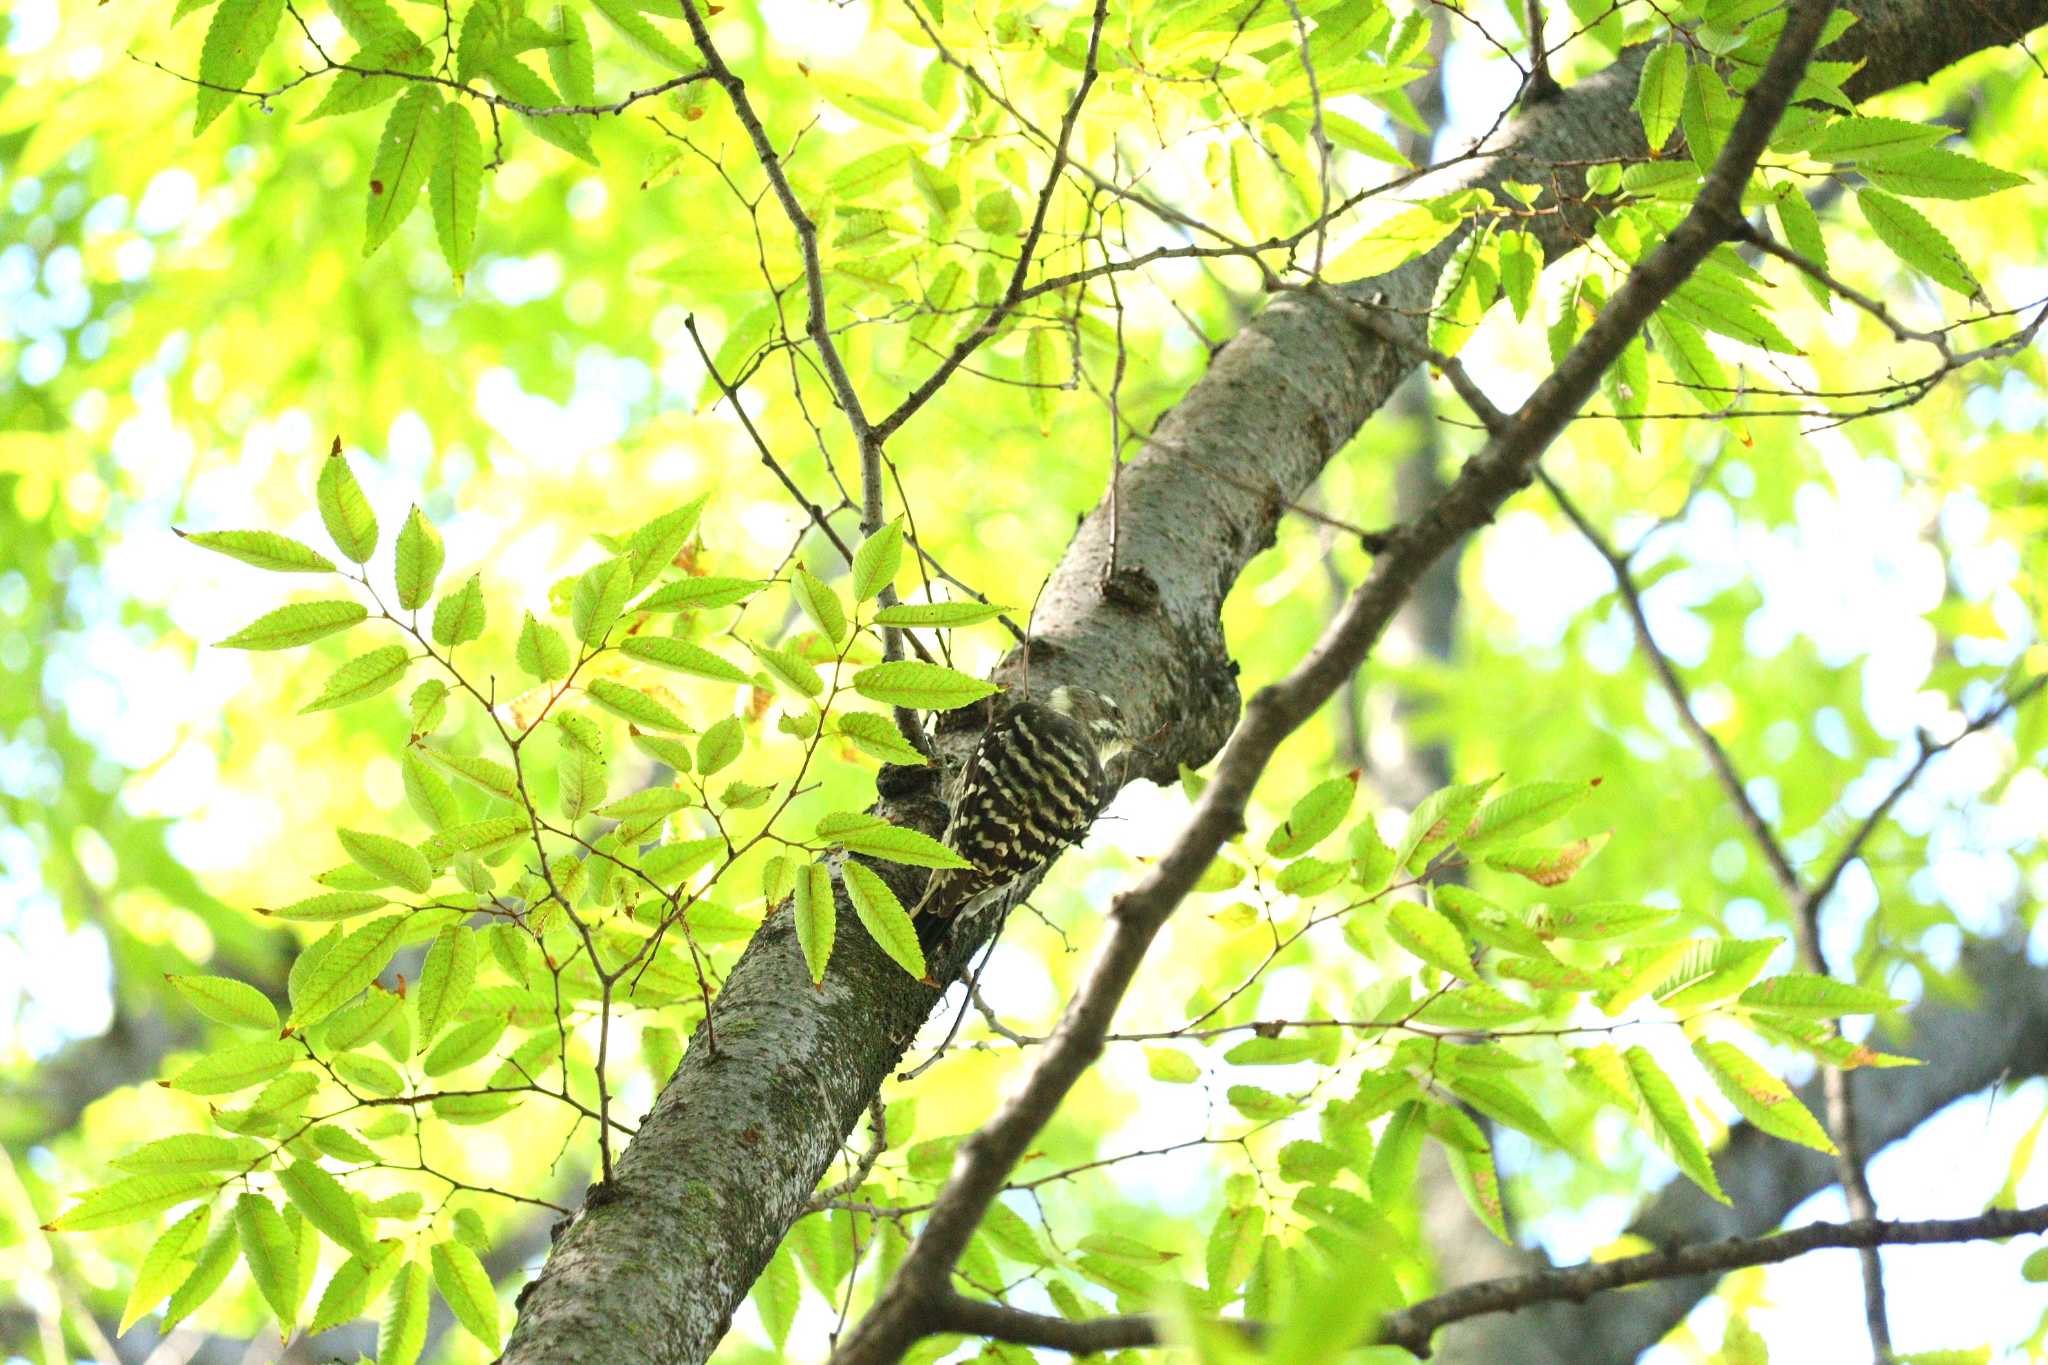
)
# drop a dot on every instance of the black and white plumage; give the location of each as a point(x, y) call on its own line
point(1030, 790)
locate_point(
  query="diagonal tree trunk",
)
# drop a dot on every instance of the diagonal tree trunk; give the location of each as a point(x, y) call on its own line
point(655, 1265)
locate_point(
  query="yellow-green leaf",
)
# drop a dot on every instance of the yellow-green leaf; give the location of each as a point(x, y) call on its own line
point(883, 916)
point(347, 969)
point(404, 1331)
point(132, 1199)
point(325, 1204)
point(466, 1288)
point(418, 557)
point(1761, 1098)
point(227, 1001)
point(344, 510)
point(680, 656)
point(405, 153)
point(300, 623)
point(226, 1070)
point(361, 677)
point(263, 549)
point(459, 615)
point(456, 186)
point(167, 1262)
point(927, 687)
point(394, 860)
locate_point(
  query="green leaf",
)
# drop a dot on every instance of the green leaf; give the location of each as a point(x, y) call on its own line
point(235, 40)
point(353, 1285)
point(272, 1252)
point(1479, 1182)
point(927, 687)
point(1713, 970)
point(419, 555)
point(300, 623)
point(404, 155)
point(671, 864)
point(456, 186)
point(680, 656)
point(340, 1143)
point(569, 59)
point(642, 36)
point(1172, 1066)
point(883, 916)
point(492, 776)
point(700, 594)
point(542, 651)
point(1917, 242)
point(1819, 997)
point(427, 706)
point(214, 1264)
point(1260, 1106)
point(876, 561)
point(1799, 225)
point(798, 674)
point(2034, 1270)
point(394, 860)
point(227, 1070)
point(344, 510)
point(1597, 921)
point(877, 736)
point(1523, 810)
point(446, 979)
point(1233, 1246)
point(1853, 136)
point(132, 1199)
point(654, 546)
point(168, 1261)
point(817, 922)
point(1663, 1113)
point(559, 130)
point(877, 838)
point(264, 549)
point(601, 593)
point(720, 745)
point(1660, 93)
point(359, 1023)
point(636, 706)
point(820, 603)
point(194, 1152)
point(942, 615)
point(347, 969)
point(1440, 819)
point(372, 1074)
point(581, 776)
point(459, 615)
point(1431, 937)
point(1936, 173)
point(1707, 114)
point(466, 1288)
point(478, 837)
point(404, 1332)
point(227, 1001)
point(331, 905)
point(1761, 1098)
point(325, 1204)
point(1315, 817)
point(464, 1044)
point(1693, 363)
point(361, 678)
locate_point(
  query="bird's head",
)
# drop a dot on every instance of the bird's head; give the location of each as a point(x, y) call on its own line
point(1102, 718)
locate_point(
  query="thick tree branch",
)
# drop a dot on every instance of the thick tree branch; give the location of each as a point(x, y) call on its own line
point(985, 1160)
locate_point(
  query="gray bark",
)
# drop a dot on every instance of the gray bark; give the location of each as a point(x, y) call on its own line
point(653, 1269)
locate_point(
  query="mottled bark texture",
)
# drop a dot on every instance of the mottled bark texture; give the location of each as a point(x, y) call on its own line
point(654, 1267)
